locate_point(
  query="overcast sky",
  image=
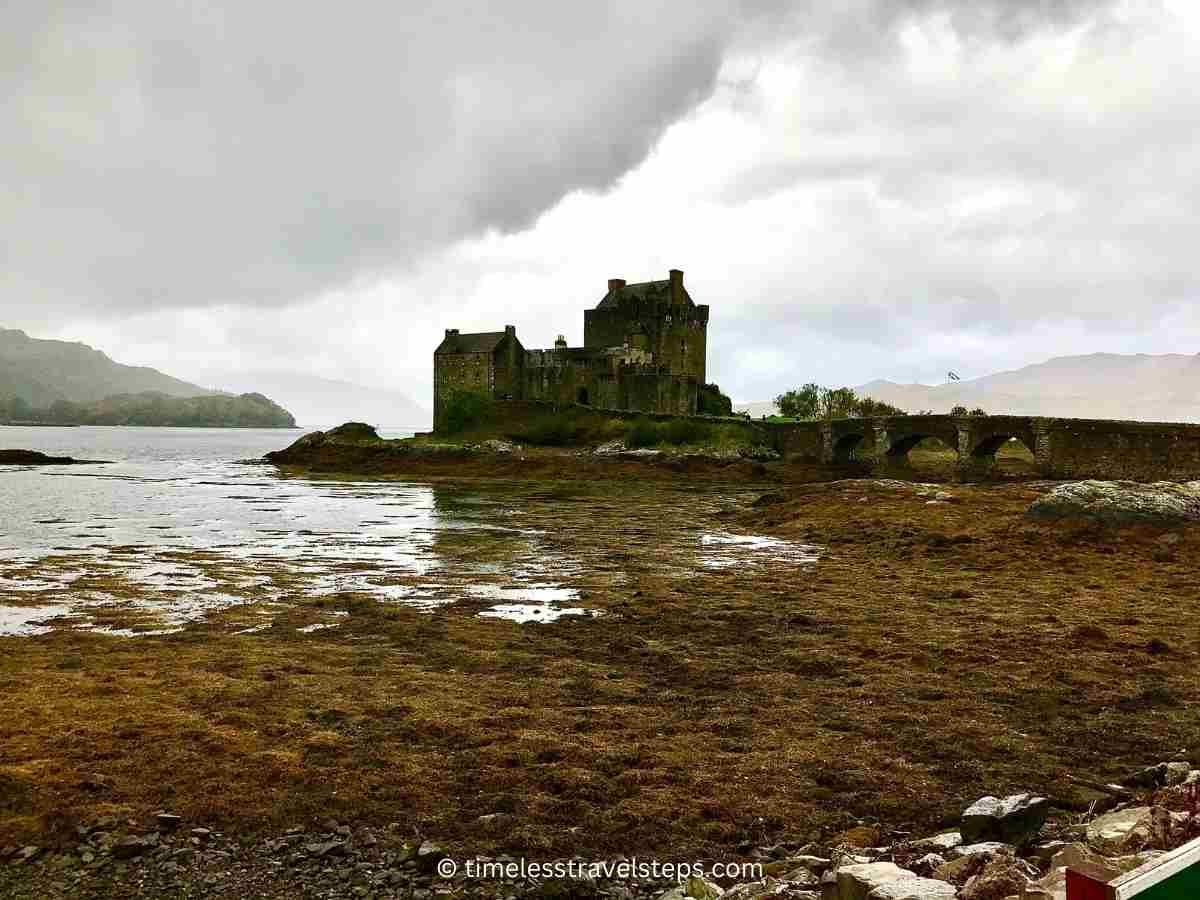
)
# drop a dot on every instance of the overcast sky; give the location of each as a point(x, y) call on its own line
point(860, 189)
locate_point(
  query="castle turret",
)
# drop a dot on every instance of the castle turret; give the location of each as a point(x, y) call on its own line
point(677, 292)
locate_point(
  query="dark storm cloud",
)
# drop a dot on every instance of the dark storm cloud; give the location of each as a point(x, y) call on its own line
point(168, 154)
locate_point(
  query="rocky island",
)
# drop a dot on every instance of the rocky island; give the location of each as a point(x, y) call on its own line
point(36, 458)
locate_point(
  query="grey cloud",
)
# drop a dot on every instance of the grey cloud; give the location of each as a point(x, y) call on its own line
point(180, 155)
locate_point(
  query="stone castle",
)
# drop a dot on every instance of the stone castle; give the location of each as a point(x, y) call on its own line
point(643, 350)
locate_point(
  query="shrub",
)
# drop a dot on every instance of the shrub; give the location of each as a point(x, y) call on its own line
point(685, 431)
point(465, 409)
point(552, 431)
point(642, 433)
point(711, 402)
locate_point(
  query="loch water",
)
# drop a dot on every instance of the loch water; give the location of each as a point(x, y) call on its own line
point(181, 525)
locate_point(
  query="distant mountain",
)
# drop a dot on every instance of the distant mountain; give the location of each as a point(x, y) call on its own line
point(757, 409)
point(41, 372)
point(320, 403)
point(1143, 387)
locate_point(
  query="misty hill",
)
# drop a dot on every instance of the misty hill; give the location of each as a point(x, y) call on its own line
point(41, 372)
point(757, 409)
point(154, 408)
point(1143, 387)
point(320, 403)
point(1099, 385)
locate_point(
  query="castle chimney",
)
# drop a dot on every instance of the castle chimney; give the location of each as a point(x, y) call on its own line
point(615, 284)
point(676, 285)
point(510, 329)
point(560, 342)
point(451, 331)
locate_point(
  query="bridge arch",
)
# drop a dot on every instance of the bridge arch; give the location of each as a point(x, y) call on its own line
point(903, 433)
point(844, 446)
point(985, 437)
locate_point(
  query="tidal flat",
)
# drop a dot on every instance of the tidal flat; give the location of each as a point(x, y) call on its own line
point(715, 666)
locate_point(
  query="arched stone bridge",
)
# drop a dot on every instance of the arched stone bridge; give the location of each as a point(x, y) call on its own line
point(1062, 448)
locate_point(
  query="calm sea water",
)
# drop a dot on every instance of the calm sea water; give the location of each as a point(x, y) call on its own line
point(187, 525)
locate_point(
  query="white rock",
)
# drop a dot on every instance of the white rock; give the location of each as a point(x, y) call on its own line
point(929, 862)
point(982, 848)
point(770, 887)
point(695, 888)
point(610, 448)
point(1015, 818)
point(1120, 502)
point(887, 881)
point(1053, 886)
point(856, 882)
point(1177, 773)
point(1121, 830)
point(939, 842)
point(915, 888)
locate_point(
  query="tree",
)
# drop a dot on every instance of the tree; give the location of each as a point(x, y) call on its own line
point(816, 402)
point(838, 403)
point(959, 411)
point(978, 411)
point(800, 403)
point(464, 410)
point(868, 407)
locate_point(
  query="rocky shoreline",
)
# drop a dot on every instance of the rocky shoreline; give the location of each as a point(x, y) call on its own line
point(1003, 849)
point(355, 448)
point(35, 458)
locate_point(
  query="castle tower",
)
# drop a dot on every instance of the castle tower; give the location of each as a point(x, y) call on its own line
point(675, 328)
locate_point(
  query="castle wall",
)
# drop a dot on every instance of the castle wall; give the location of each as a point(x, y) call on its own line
point(508, 382)
point(607, 327)
point(550, 377)
point(574, 376)
point(645, 391)
point(678, 334)
point(460, 371)
point(682, 341)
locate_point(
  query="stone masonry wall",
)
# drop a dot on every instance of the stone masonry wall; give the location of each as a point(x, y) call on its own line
point(1098, 448)
point(1062, 448)
point(460, 371)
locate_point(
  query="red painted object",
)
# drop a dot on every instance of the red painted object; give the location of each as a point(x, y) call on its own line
point(1081, 887)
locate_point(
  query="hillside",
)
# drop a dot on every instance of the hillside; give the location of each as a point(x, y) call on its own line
point(153, 408)
point(41, 372)
point(1098, 385)
point(1143, 387)
point(319, 403)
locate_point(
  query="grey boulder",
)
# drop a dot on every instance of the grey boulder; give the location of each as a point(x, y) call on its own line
point(1011, 820)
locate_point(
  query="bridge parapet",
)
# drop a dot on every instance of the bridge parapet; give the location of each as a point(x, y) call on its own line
point(1062, 448)
point(1107, 448)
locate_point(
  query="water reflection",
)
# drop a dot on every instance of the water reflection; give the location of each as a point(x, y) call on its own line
point(150, 545)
